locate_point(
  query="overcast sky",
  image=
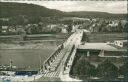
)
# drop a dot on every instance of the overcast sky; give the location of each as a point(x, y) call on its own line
point(103, 6)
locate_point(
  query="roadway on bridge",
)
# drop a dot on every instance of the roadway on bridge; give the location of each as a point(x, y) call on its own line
point(74, 39)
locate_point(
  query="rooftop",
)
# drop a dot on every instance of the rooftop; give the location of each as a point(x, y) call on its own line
point(99, 46)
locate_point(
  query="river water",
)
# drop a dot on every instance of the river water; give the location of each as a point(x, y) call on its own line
point(25, 57)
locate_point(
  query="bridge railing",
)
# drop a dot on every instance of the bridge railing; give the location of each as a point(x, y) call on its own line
point(71, 56)
point(57, 51)
point(59, 48)
point(70, 53)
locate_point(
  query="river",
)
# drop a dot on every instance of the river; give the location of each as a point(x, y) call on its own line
point(28, 55)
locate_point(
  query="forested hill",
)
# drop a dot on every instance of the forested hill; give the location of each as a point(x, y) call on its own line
point(8, 9)
point(97, 14)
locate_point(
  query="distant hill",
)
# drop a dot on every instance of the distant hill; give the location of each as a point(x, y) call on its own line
point(8, 9)
point(97, 14)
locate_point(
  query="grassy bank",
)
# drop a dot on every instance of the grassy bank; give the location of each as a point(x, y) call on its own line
point(104, 37)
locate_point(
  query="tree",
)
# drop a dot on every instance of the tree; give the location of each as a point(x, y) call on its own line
point(15, 20)
point(107, 70)
point(34, 20)
point(0, 29)
point(124, 70)
point(84, 68)
point(125, 27)
point(56, 30)
point(119, 27)
point(22, 33)
point(69, 28)
point(85, 37)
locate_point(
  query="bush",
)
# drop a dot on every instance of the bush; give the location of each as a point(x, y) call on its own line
point(124, 70)
point(107, 70)
point(84, 68)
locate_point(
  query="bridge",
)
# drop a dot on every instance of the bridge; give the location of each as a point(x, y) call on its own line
point(58, 60)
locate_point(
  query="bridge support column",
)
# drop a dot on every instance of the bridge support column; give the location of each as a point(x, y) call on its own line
point(88, 53)
point(56, 53)
point(50, 61)
point(101, 54)
point(44, 67)
point(53, 58)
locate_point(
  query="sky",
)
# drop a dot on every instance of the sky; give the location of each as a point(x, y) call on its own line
point(68, 6)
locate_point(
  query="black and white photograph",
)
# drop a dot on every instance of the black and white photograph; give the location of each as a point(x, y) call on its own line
point(63, 40)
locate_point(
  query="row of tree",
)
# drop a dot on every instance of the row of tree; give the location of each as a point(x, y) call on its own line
point(106, 70)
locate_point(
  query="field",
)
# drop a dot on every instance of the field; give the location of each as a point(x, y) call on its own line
point(104, 37)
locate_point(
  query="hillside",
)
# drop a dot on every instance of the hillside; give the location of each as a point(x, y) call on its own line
point(8, 9)
point(14, 9)
point(97, 14)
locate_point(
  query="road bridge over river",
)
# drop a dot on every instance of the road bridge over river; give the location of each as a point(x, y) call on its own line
point(54, 66)
point(60, 62)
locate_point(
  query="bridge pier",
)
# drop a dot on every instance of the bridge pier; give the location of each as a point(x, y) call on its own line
point(57, 52)
point(50, 61)
point(88, 53)
point(101, 54)
point(46, 67)
point(54, 57)
point(47, 63)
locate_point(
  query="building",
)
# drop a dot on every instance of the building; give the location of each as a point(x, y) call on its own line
point(103, 49)
point(12, 29)
point(4, 29)
point(75, 27)
point(113, 24)
point(124, 23)
point(4, 19)
point(64, 30)
point(121, 43)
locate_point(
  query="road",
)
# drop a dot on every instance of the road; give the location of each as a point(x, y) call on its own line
point(74, 39)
